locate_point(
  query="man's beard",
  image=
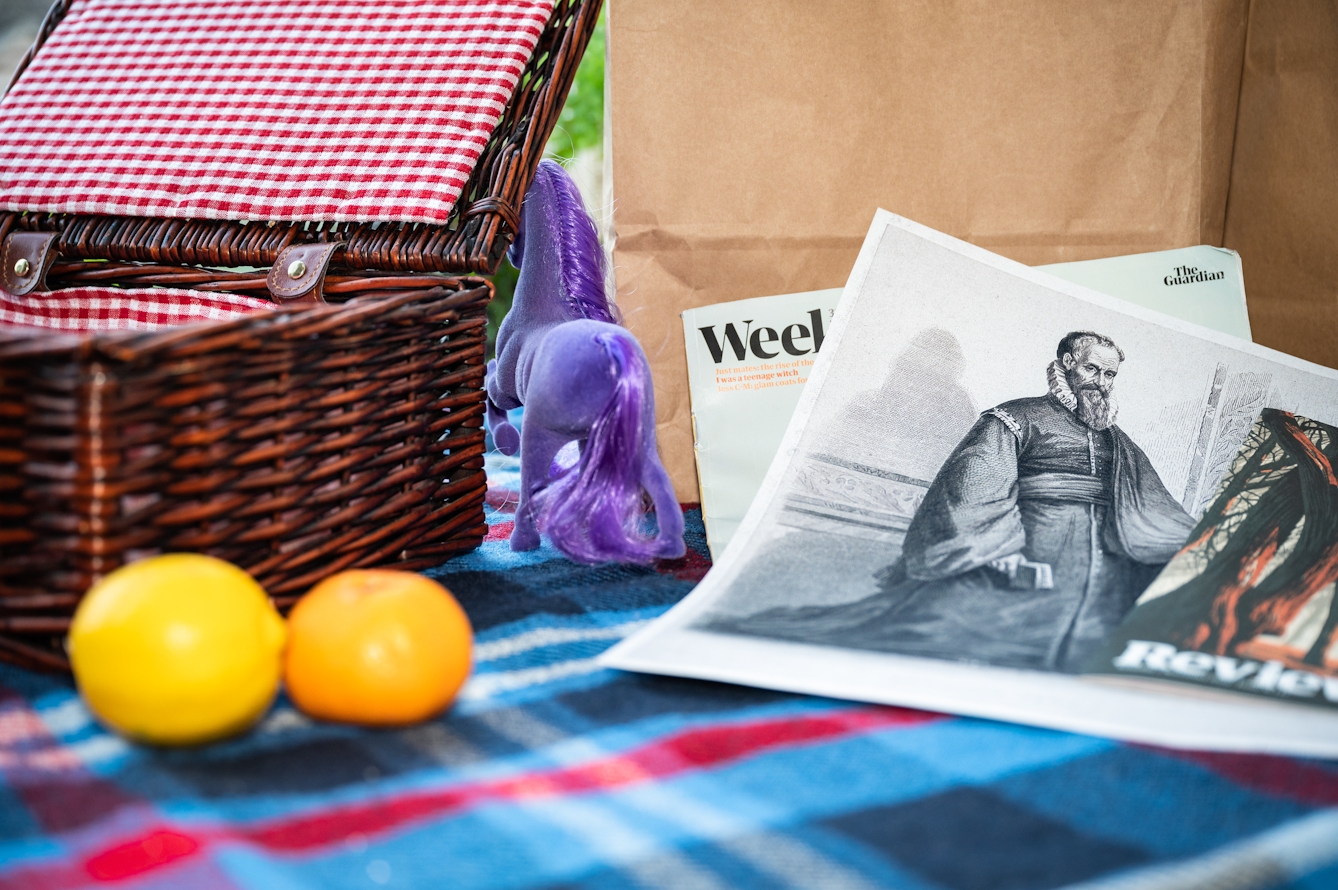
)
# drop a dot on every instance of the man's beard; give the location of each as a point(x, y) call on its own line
point(1095, 408)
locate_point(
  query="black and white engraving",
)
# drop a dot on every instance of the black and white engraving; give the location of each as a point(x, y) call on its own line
point(1038, 533)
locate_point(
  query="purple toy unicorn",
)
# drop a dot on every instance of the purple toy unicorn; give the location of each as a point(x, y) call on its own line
point(583, 378)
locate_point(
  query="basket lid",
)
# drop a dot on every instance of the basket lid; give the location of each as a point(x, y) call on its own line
point(303, 110)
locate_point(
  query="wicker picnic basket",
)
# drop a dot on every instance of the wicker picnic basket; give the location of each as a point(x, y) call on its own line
point(338, 426)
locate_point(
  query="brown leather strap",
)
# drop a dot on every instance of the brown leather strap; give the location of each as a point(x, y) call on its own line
point(27, 256)
point(299, 272)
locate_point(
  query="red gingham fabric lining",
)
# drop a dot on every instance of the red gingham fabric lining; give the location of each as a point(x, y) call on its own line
point(354, 110)
point(120, 309)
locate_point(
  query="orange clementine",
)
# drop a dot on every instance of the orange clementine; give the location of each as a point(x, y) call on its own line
point(376, 647)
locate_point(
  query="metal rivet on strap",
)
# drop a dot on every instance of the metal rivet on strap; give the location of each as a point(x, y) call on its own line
point(296, 269)
point(22, 267)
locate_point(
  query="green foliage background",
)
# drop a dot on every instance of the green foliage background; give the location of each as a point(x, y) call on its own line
point(579, 127)
point(581, 124)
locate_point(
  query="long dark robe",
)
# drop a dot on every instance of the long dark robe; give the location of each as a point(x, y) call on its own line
point(1028, 478)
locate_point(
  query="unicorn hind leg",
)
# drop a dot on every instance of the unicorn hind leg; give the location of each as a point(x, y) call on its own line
point(504, 435)
point(570, 382)
point(538, 447)
point(590, 380)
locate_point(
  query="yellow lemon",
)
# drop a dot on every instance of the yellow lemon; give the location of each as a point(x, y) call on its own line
point(177, 649)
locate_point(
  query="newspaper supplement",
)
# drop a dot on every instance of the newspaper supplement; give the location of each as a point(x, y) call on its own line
point(1248, 603)
point(1149, 658)
point(986, 469)
point(1201, 284)
point(747, 363)
point(737, 384)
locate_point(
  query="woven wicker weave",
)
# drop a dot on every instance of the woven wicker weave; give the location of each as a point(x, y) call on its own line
point(294, 443)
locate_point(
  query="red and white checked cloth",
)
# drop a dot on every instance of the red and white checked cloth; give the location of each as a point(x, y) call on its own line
point(117, 309)
point(254, 109)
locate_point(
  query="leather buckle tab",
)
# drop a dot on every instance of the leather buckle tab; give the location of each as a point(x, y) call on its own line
point(299, 272)
point(27, 257)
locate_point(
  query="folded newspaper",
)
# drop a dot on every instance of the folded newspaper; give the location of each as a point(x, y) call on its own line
point(1009, 496)
point(748, 359)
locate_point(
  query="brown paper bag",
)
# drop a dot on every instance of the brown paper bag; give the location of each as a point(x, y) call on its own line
point(750, 143)
point(1282, 211)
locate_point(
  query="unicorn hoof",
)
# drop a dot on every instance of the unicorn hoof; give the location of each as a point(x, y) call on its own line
point(524, 539)
point(506, 438)
point(672, 549)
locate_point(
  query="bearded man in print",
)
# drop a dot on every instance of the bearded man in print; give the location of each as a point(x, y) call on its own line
point(1035, 538)
point(1038, 533)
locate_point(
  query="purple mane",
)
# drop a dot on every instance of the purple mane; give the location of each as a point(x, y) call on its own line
point(583, 269)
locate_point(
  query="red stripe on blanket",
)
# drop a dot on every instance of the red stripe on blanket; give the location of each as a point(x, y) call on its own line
point(141, 855)
point(503, 500)
point(692, 566)
point(707, 747)
point(693, 749)
point(1271, 774)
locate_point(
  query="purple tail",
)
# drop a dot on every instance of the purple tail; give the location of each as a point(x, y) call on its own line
point(593, 511)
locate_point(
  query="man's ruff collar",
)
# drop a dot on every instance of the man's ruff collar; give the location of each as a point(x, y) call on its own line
point(1058, 380)
point(1059, 385)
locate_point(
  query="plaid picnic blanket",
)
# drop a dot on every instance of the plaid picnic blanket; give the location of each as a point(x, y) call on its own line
point(552, 772)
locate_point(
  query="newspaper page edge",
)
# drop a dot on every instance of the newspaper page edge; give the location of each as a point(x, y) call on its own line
point(1066, 702)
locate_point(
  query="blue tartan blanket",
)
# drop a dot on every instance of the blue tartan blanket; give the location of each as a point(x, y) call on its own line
point(552, 772)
